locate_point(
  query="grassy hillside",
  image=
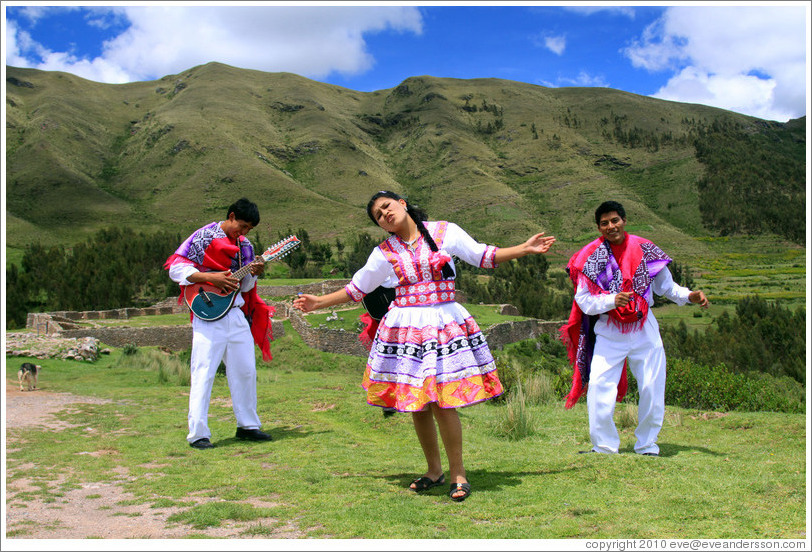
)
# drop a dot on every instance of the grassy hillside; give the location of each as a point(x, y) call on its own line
point(504, 159)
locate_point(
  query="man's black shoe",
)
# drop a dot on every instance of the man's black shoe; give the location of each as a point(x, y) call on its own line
point(650, 454)
point(586, 451)
point(202, 444)
point(252, 435)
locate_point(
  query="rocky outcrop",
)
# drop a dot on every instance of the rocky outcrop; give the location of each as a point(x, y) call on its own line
point(69, 348)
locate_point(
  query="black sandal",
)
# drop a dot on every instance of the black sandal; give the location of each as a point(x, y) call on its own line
point(425, 483)
point(457, 487)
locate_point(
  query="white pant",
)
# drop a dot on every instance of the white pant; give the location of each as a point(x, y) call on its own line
point(229, 340)
point(646, 357)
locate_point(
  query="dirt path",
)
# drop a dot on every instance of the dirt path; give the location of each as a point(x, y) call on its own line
point(95, 509)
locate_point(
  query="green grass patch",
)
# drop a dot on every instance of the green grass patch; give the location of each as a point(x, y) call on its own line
point(143, 321)
point(516, 422)
point(671, 314)
point(14, 256)
point(288, 281)
point(260, 530)
point(212, 514)
point(338, 469)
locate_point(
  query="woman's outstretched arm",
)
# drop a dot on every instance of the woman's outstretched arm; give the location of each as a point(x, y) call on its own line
point(306, 302)
point(535, 245)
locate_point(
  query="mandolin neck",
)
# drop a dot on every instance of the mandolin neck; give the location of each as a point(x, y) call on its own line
point(242, 272)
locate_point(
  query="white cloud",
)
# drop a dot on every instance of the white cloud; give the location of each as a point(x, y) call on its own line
point(105, 18)
point(742, 93)
point(746, 59)
point(35, 13)
point(313, 41)
point(555, 44)
point(658, 50)
point(626, 11)
point(583, 79)
point(13, 39)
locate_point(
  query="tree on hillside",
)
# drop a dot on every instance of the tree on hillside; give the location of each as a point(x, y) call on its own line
point(115, 268)
point(762, 337)
point(359, 251)
point(755, 181)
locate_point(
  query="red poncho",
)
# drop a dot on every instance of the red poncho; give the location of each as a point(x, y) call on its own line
point(604, 269)
point(208, 253)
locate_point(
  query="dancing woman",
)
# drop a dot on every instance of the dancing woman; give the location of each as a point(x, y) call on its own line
point(429, 356)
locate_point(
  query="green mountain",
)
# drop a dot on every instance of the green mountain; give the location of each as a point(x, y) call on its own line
point(503, 159)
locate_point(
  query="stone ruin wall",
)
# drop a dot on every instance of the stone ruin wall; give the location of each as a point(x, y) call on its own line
point(317, 288)
point(73, 324)
point(327, 339)
point(175, 338)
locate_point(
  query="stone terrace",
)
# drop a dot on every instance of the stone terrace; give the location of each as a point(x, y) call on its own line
point(76, 325)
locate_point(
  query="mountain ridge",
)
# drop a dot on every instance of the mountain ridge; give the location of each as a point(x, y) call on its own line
point(504, 159)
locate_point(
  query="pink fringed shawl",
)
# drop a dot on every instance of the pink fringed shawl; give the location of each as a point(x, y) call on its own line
point(604, 268)
point(208, 253)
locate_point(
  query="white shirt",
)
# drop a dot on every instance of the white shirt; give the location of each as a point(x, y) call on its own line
point(663, 284)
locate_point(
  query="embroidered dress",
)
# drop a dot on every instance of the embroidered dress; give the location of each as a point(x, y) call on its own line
point(428, 348)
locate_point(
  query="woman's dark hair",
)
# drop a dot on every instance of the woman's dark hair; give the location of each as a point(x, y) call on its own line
point(246, 210)
point(418, 216)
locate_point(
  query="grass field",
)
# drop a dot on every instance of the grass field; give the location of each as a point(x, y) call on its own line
point(337, 469)
point(739, 267)
point(485, 315)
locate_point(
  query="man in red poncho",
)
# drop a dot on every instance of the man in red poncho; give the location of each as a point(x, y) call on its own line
point(211, 254)
point(611, 329)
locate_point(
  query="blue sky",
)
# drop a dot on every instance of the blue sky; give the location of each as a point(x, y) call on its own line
point(748, 57)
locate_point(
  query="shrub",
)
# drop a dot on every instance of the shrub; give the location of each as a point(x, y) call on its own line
point(540, 366)
point(508, 372)
point(763, 336)
point(539, 389)
point(175, 373)
point(515, 421)
point(170, 369)
point(691, 385)
point(544, 358)
point(626, 416)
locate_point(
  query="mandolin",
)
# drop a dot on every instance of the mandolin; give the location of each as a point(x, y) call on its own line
point(210, 303)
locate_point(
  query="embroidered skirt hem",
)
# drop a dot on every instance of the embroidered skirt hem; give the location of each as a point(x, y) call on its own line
point(455, 394)
point(430, 354)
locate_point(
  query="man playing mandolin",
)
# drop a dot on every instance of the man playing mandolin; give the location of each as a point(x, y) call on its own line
point(213, 254)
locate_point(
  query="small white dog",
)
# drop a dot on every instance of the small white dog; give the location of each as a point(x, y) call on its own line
point(28, 373)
